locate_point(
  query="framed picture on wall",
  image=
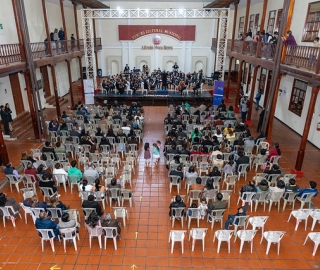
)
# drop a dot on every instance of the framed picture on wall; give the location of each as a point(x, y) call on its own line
point(39, 82)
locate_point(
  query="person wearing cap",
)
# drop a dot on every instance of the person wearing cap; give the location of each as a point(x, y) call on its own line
point(90, 203)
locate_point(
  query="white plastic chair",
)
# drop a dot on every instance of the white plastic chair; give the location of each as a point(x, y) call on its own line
point(14, 181)
point(46, 237)
point(74, 181)
point(275, 197)
point(177, 236)
point(246, 197)
point(114, 193)
point(198, 234)
point(27, 211)
point(177, 213)
point(55, 213)
point(216, 216)
point(315, 216)
point(8, 212)
point(315, 237)
point(121, 212)
point(87, 212)
point(246, 236)
point(94, 232)
point(274, 160)
point(306, 198)
point(261, 197)
point(289, 197)
point(258, 222)
point(194, 195)
point(223, 236)
point(273, 237)
point(226, 196)
point(301, 214)
point(242, 171)
point(48, 192)
point(239, 221)
point(259, 161)
point(230, 180)
point(175, 181)
point(69, 234)
point(61, 179)
point(27, 193)
point(193, 213)
point(110, 232)
point(127, 195)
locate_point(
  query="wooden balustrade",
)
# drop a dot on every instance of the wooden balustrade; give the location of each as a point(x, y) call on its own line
point(10, 53)
point(302, 57)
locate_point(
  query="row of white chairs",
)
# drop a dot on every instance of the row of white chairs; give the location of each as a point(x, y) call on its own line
point(225, 236)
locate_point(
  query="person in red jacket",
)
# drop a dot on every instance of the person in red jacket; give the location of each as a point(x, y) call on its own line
point(275, 151)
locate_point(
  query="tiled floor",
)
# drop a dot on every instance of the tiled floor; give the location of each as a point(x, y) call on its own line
point(21, 247)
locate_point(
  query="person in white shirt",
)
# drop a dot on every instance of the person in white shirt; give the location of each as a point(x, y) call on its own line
point(84, 186)
point(58, 171)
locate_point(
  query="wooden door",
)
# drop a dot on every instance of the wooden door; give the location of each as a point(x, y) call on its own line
point(16, 93)
point(45, 82)
point(267, 88)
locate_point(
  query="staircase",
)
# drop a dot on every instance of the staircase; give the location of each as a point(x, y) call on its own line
point(21, 125)
point(51, 101)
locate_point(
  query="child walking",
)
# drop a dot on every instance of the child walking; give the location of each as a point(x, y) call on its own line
point(156, 153)
point(147, 154)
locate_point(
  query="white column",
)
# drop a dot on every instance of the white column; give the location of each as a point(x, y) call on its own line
point(211, 67)
point(183, 62)
point(156, 61)
point(123, 51)
point(130, 55)
point(189, 68)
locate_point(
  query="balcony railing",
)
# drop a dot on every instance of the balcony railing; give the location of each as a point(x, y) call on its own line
point(10, 53)
point(299, 56)
point(303, 57)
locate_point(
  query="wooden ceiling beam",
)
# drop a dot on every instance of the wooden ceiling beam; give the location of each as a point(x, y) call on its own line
point(90, 3)
point(222, 3)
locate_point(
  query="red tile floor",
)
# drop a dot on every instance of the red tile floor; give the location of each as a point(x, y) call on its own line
point(21, 247)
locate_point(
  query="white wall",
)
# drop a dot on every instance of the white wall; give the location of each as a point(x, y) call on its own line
point(9, 33)
point(35, 20)
point(292, 120)
point(62, 79)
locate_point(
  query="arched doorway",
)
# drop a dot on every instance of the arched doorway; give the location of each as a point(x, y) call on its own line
point(114, 67)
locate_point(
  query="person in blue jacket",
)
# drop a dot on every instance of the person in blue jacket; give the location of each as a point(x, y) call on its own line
point(312, 189)
point(45, 222)
point(241, 212)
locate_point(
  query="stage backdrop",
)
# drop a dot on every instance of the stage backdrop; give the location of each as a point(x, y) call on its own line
point(180, 32)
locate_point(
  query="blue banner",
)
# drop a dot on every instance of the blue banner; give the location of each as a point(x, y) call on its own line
point(218, 91)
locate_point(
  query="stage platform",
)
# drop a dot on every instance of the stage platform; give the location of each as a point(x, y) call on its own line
point(154, 99)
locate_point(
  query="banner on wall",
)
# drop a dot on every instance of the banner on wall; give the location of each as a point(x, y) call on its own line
point(218, 90)
point(180, 32)
point(88, 91)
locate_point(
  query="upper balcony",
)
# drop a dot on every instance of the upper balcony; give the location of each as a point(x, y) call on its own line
point(43, 53)
point(303, 59)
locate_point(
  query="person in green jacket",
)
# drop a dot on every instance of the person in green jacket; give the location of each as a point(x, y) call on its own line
point(74, 171)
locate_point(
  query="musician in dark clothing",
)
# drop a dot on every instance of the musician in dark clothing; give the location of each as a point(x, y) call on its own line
point(164, 76)
point(196, 88)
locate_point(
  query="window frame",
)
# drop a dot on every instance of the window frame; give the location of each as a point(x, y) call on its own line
point(271, 21)
point(241, 26)
point(305, 36)
point(278, 20)
point(297, 95)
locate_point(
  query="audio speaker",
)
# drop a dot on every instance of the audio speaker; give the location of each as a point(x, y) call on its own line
point(99, 72)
